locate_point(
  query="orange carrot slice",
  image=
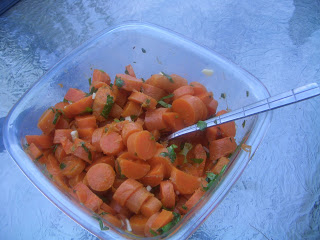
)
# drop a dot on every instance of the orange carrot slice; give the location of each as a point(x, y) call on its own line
point(87, 121)
point(183, 182)
point(136, 200)
point(144, 100)
point(125, 190)
point(131, 109)
point(128, 129)
point(74, 95)
point(222, 147)
point(111, 143)
point(167, 194)
point(181, 91)
point(152, 91)
point(87, 197)
point(101, 177)
point(142, 144)
point(154, 176)
point(154, 119)
point(128, 82)
point(41, 141)
point(130, 71)
point(60, 134)
point(220, 164)
point(138, 223)
point(71, 166)
point(151, 206)
point(134, 169)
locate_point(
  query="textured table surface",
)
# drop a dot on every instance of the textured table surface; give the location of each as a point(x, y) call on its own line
point(278, 195)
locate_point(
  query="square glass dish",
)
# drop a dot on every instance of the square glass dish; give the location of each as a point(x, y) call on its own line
point(149, 49)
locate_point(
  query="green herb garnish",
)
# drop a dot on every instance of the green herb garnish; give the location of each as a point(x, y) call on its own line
point(186, 148)
point(184, 207)
point(143, 80)
point(101, 71)
point(153, 232)
point(88, 110)
point(197, 160)
point(52, 109)
point(126, 72)
point(244, 123)
point(87, 150)
point(143, 50)
point(89, 80)
point(54, 148)
point(62, 166)
point(133, 117)
point(168, 96)
point(168, 76)
point(214, 179)
point(107, 108)
point(247, 93)
point(103, 213)
point(119, 82)
point(223, 95)
point(65, 100)
point(171, 153)
point(164, 104)
point(201, 125)
point(92, 90)
point(56, 117)
point(215, 121)
point(102, 227)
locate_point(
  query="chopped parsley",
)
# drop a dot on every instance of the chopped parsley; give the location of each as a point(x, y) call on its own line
point(126, 72)
point(143, 50)
point(101, 71)
point(89, 80)
point(223, 95)
point(133, 117)
point(143, 80)
point(247, 93)
point(102, 227)
point(197, 160)
point(87, 110)
point(65, 100)
point(87, 150)
point(105, 129)
point(214, 179)
point(201, 125)
point(186, 148)
point(103, 213)
point(244, 123)
point(153, 232)
point(215, 121)
point(171, 153)
point(62, 166)
point(54, 148)
point(52, 109)
point(119, 82)
point(164, 104)
point(107, 108)
point(168, 76)
point(168, 96)
point(184, 207)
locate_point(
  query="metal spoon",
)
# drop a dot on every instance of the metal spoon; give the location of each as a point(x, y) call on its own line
point(277, 101)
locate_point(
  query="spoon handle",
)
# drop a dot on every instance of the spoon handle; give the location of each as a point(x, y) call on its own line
point(267, 104)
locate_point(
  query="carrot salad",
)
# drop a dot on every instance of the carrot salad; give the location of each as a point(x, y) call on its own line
point(104, 148)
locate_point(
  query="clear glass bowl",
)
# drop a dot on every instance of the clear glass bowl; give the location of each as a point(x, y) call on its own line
point(150, 49)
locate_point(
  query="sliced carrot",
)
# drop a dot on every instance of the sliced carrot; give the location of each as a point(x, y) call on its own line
point(86, 133)
point(100, 76)
point(71, 166)
point(154, 119)
point(213, 133)
point(116, 111)
point(111, 143)
point(87, 121)
point(198, 88)
point(100, 101)
point(168, 84)
point(193, 200)
point(128, 82)
point(128, 129)
point(167, 194)
point(41, 141)
point(83, 150)
point(62, 123)
point(144, 100)
point(149, 223)
point(125, 190)
point(142, 144)
point(101, 177)
point(87, 197)
point(151, 206)
point(222, 147)
point(52, 165)
point(74, 95)
point(134, 169)
point(152, 91)
point(110, 218)
point(189, 109)
point(96, 136)
point(75, 180)
point(154, 176)
point(162, 219)
point(206, 97)
point(59, 153)
point(181, 91)
point(131, 109)
point(227, 129)
point(136, 200)
point(138, 223)
point(212, 107)
point(104, 159)
point(121, 95)
point(158, 158)
point(121, 210)
point(223, 161)
point(107, 209)
point(173, 121)
point(48, 120)
point(36, 154)
point(183, 182)
point(130, 71)
point(78, 107)
point(60, 134)
point(193, 167)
